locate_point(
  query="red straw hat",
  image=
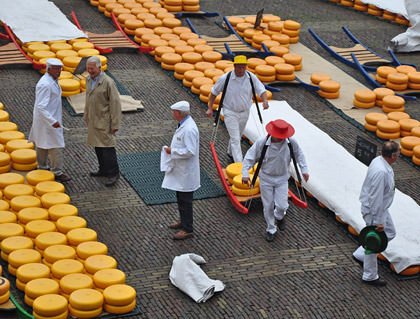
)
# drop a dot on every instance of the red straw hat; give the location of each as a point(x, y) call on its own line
point(280, 129)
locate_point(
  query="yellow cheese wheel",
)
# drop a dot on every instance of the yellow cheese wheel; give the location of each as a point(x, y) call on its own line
point(12, 270)
point(98, 262)
point(119, 295)
point(370, 127)
point(237, 182)
point(195, 8)
point(363, 105)
point(90, 248)
point(284, 69)
point(293, 58)
point(37, 47)
point(316, 78)
point(329, 86)
point(396, 86)
point(389, 109)
point(380, 79)
point(47, 239)
point(50, 305)
point(223, 64)
point(366, 96)
point(4, 205)
point(5, 297)
point(211, 56)
point(414, 86)
point(388, 126)
point(234, 169)
point(87, 52)
point(7, 217)
point(79, 235)
point(383, 71)
point(254, 62)
point(65, 53)
point(406, 69)
point(85, 45)
point(4, 116)
point(49, 187)
point(11, 191)
point(41, 286)
point(39, 55)
point(84, 313)
point(245, 192)
point(329, 95)
point(62, 210)
point(18, 144)
point(72, 61)
point(29, 214)
point(64, 267)
point(373, 118)
point(291, 25)
point(5, 169)
point(36, 227)
point(24, 167)
point(408, 124)
point(414, 77)
point(409, 142)
point(387, 136)
point(86, 299)
point(57, 252)
point(20, 202)
point(397, 78)
point(265, 70)
point(63, 315)
point(69, 84)
point(60, 46)
point(405, 152)
point(75, 281)
point(266, 78)
point(13, 243)
point(107, 277)
point(7, 126)
point(54, 198)
point(396, 116)
point(164, 30)
point(393, 101)
point(416, 151)
point(65, 75)
point(171, 58)
point(67, 223)
point(10, 229)
point(36, 176)
point(4, 286)
point(20, 285)
point(120, 309)
point(11, 135)
point(415, 131)
point(4, 159)
point(23, 256)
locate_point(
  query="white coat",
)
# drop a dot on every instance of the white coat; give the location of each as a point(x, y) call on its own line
point(185, 175)
point(47, 111)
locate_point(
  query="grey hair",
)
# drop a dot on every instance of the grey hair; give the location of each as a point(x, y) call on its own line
point(185, 113)
point(94, 59)
point(389, 148)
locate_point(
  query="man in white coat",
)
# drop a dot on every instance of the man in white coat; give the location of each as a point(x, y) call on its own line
point(237, 102)
point(184, 177)
point(274, 173)
point(47, 130)
point(376, 197)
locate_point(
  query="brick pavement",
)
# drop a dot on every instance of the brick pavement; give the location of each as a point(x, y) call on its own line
point(307, 272)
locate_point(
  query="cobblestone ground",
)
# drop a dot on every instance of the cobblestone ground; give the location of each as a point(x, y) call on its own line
point(307, 272)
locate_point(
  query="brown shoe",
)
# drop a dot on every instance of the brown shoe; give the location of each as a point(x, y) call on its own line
point(62, 178)
point(176, 225)
point(182, 235)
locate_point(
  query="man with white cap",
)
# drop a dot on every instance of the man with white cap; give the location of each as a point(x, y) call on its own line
point(237, 102)
point(184, 177)
point(274, 173)
point(47, 130)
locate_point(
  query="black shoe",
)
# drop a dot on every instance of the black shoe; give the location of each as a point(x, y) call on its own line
point(269, 236)
point(281, 223)
point(358, 261)
point(62, 178)
point(96, 174)
point(377, 282)
point(112, 180)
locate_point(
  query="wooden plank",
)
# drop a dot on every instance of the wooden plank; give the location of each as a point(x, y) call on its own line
point(357, 47)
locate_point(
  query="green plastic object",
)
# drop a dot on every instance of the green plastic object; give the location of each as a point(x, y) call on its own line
point(22, 314)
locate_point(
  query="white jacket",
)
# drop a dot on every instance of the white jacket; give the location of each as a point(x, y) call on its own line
point(47, 111)
point(185, 174)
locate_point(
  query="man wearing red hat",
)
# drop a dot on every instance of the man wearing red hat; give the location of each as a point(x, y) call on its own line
point(274, 173)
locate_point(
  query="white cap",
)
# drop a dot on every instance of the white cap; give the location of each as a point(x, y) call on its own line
point(54, 62)
point(182, 106)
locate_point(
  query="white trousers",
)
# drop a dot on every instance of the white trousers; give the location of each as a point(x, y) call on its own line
point(56, 159)
point(235, 123)
point(275, 203)
point(370, 262)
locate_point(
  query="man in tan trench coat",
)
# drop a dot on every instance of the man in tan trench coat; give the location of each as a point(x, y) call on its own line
point(103, 118)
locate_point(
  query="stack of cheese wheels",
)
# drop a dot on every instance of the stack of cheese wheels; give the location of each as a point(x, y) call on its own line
point(65, 53)
point(39, 287)
point(71, 63)
point(416, 155)
point(30, 271)
point(159, 51)
point(258, 39)
point(4, 162)
point(371, 119)
point(374, 10)
point(47, 239)
point(265, 73)
point(253, 63)
point(36, 176)
point(407, 125)
point(14, 243)
point(4, 205)
point(29, 214)
point(388, 15)
point(77, 46)
point(173, 5)
point(54, 198)
point(329, 89)
point(360, 6)
point(10, 179)
point(4, 290)
point(6, 125)
point(10, 229)
point(69, 87)
point(58, 252)
point(140, 32)
point(124, 17)
point(414, 80)
point(415, 131)
point(202, 66)
point(223, 65)
point(382, 73)
point(211, 56)
point(205, 91)
point(316, 78)
point(406, 69)
point(347, 3)
point(24, 160)
point(364, 99)
point(67, 223)
point(238, 188)
point(293, 59)
point(285, 72)
point(192, 57)
point(155, 43)
point(108, 277)
point(397, 116)
point(20, 202)
point(292, 29)
point(249, 34)
point(242, 26)
point(36, 227)
point(388, 130)
point(50, 306)
point(90, 248)
point(191, 5)
point(169, 60)
point(73, 282)
point(86, 303)
point(408, 143)
point(49, 187)
point(273, 60)
point(97, 262)
point(393, 103)
point(64, 267)
point(77, 236)
point(87, 52)
point(232, 170)
point(41, 56)
point(213, 73)
point(119, 298)
point(62, 210)
point(397, 81)
point(82, 85)
point(189, 76)
point(381, 93)
point(20, 257)
point(199, 81)
point(32, 48)
point(10, 136)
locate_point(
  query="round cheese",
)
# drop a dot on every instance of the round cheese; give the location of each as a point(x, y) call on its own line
point(4, 158)
point(86, 299)
point(107, 277)
point(416, 151)
point(41, 286)
point(36, 176)
point(373, 118)
point(54, 198)
point(64, 267)
point(383, 71)
point(396, 116)
point(32, 270)
point(316, 78)
point(28, 214)
point(237, 182)
point(58, 252)
point(363, 105)
point(62, 210)
point(387, 136)
point(24, 167)
point(36, 227)
point(14, 190)
point(4, 286)
point(94, 313)
point(415, 131)
point(10, 178)
point(72, 61)
point(203, 66)
point(49, 187)
point(405, 69)
point(119, 295)
point(284, 69)
point(87, 52)
point(329, 95)
point(90, 248)
point(75, 281)
point(13, 243)
point(6, 125)
point(47, 239)
point(18, 144)
point(370, 127)
point(414, 77)
point(396, 86)
point(5, 169)
point(365, 96)
point(245, 192)
point(67, 223)
point(79, 235)
point(7, 217)
point(397, 78)
point(393, 101)
point(388, 126)
point(329, 86)
point(4, 205)
point(120, 309)
point(98, 262)
point(10, 229)
point(50, 305)
point(65, 53)
point(408, 124)
point(20, 202)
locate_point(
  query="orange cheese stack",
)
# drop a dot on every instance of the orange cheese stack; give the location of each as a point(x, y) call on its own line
point(213, 74)
point(13, 243)
point(131, 24)
point(396, 116)
point(4, 162)
point(50, 306)
point(249, 34)
point(258, 39)
point(47, 239)
point(381, 93)
point(364, 99)
point(169, 60)
point(4, 290)
point(360, 6)
point(97, 262)
point(119, 298)
point(393, 103)
point(173, 5)
point(285, 72)
point(140, 32)
point(415, 131)
point(330, 89)
point(242, 26)
point(371, 119)
point(265, 73)
point(416, 155)
point(382, 73)
point(397, 81)
point(39, 287)
point(108, 277)
point(408, 143)
point(374, 10)
point(205, 91)
point(181, 68)
point(316, 78)
point(37, 227)
point(24, 159)
point(292, 29)
point(347, 3)
point(70, 86)
point(234, 21)
point(30, 271)
point(197, 82)
point(414, 80)
point(388, 129)
point(58, 252)
point(387, 15)
point(253, 63)
point(293, 59)
point(189, 76)
point(65, 267)
point(407, 125)
point(10, 229)
point(61, 210)
point(159, 51)
point(283, 39)
point(202, 66)
point(73, 282)
point(406, 69)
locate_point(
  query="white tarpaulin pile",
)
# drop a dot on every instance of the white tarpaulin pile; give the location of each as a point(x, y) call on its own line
point(394, 6)
point(37, 20)
point(410, 40)
point(336, 178)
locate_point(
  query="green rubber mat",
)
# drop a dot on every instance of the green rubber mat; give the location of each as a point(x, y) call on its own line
point(142, 171)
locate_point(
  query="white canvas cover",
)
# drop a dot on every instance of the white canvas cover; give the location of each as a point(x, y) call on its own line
point(395, 6)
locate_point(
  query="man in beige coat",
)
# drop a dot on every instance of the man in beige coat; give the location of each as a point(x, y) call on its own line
point(103, 118)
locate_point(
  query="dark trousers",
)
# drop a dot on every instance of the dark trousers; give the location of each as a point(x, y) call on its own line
point(107, 160)
point(185, 208)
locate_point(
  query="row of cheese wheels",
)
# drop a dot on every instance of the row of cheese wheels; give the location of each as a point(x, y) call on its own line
point(234, 177)
point(108, 6)
point(373, 10)
point(382, 97)
point(181, 5)
point(393, 125)
point(409, 271)
point(329, 88)
point(399, 78)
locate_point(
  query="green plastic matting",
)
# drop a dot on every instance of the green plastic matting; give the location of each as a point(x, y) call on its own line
point(142, 171)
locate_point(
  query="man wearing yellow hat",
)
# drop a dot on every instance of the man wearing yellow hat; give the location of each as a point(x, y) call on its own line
point(275, 149)
point(237, 102)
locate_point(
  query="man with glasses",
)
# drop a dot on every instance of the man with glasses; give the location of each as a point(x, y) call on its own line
point(376, 197)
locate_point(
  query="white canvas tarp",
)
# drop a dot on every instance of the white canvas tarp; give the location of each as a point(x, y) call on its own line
point(410, 40)
point(395, 6)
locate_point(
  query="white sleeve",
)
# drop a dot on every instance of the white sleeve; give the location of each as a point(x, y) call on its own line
point(252, 156)
point(43, 94)
point(218, 86)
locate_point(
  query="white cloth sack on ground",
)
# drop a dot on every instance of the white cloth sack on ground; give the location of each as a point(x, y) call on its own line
point(166, 163)
point(187, 275)
point(409, 40)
